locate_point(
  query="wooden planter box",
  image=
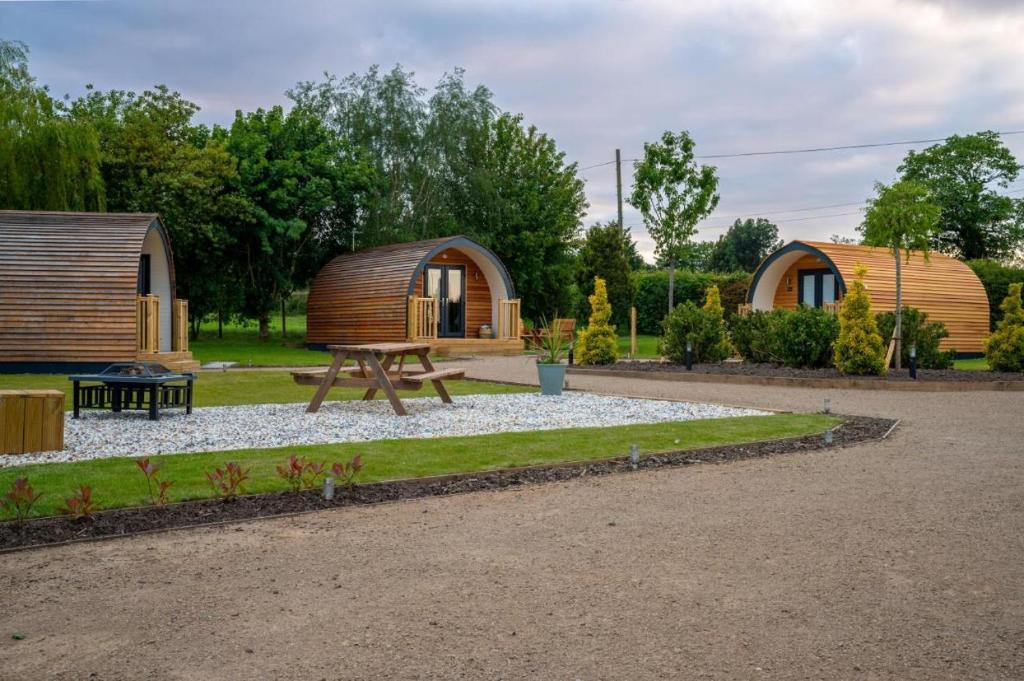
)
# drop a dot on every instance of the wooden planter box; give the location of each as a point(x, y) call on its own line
point(31, 421)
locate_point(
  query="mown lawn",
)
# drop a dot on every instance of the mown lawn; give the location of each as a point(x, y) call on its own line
point(118, 482)
point(647, 347)
point(222, 388)
point(241, 344)
point(973, 364)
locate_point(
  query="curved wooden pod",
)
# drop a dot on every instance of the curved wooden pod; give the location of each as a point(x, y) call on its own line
point(945, 288)
point(363, 297)
point(68, 286)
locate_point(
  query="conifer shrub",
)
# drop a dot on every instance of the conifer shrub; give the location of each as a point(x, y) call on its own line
point(1004, 349)
point(918, 331)
point(859, 349)
point(598, 344)
point(704, 327)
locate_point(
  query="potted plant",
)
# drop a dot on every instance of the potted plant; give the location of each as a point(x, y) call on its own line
point(551, 348)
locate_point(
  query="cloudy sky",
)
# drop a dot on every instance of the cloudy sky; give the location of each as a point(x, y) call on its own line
point(740, 76)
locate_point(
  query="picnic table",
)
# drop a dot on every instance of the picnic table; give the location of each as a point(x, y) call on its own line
point(373, 371)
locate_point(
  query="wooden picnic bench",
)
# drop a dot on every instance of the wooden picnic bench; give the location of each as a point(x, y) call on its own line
point(374, 371)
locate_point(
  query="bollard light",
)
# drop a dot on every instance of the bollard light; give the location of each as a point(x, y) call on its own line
point(328, 488)
point(634, 455)
point(689, 355)
point(827, 407)
point(913, 362)
point(828, 437)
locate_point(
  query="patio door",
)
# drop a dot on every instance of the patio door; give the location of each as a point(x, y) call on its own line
point(817, 287)
point(447, 283)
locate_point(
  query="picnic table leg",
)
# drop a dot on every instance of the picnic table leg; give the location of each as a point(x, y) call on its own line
point(327, 383)
point(437, 383)
point(385, 383)
point(388, 361)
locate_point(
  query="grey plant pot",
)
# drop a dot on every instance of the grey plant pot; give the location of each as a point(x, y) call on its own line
point(552, 378)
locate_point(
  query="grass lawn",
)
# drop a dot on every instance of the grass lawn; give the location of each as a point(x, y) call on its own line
point(117, 482)
point(241, 344)
point(220, 388)
point(973, 364)
point(647, 347)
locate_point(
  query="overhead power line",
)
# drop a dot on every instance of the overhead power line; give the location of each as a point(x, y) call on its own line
point(812, 150)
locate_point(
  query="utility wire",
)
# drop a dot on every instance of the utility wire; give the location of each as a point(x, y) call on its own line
point(811, 150)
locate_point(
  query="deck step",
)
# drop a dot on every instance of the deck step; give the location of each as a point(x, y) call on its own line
point(434, 375)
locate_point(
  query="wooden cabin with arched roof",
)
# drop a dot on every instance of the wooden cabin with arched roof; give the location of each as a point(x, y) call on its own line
point(80, 291)
point(452, 292)
point(817, 274)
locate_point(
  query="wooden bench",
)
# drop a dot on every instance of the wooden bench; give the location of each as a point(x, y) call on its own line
point(31, 421)
point(434, 375)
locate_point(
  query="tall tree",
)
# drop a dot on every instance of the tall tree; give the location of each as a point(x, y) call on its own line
point(963, 174)
point(301, 188)
point(901, 218)
point(605, 254)
point(48, 160)
point(673, 193)
point(745, 245)
point(155, 159)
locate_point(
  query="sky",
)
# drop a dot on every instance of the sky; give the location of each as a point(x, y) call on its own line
point(739, 76)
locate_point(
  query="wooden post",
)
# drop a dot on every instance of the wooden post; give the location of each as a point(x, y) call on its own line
point(632, 333)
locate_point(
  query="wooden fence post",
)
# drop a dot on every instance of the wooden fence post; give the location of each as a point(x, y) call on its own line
point(632, 333)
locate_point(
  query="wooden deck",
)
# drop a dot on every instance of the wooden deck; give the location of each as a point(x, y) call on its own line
point(466, 347)
point(176, 361)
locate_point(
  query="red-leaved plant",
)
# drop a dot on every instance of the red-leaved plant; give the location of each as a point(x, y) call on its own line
point(19, 499)
point(150, 469)
point(346, 473)
point(299, 473)
point(227, 482)
point(80, 505)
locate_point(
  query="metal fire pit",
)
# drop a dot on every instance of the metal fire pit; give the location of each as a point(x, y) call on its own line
point(133, 386)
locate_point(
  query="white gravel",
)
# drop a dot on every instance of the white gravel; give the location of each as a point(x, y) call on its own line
point(100, 435)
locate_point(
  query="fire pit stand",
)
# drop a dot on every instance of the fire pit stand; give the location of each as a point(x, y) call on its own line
point(133, 387)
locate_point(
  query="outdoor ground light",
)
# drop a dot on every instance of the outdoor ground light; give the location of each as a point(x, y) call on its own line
point(328, 488)
point(913, 362)
point(827, 407)
point(689, 355)
point(828, 437)
point(634, 455)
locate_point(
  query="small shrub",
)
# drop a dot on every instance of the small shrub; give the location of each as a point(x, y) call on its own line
point(1004, 349)
point(301, 474)
point(807, 337)
point(150, 470)
point(227, 482)
point(19, 499)
point(704, 329)
point(346, 472)
point(917, 330)
point(80, 506)
point(598, 344)
point(756, 335)
point(859, 349)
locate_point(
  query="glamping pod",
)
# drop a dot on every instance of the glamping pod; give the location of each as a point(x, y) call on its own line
point(817, 273)
point(453, 293)
point(79, 291)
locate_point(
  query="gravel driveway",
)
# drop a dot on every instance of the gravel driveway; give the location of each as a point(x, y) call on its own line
point(899, 560)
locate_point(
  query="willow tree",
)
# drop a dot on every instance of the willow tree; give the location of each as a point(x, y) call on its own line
point(48, 160)
point(903, 219)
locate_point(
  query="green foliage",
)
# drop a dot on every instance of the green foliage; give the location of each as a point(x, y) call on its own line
point(859, 349)
point(550, 344)
point(1004, 349)
point(48, 159)
point(598, 344)
point(804, 337)
point(703, 327)
point(744, 246)
point(962, 174)
point(756, 335)
point(652, 290)
point(919, 332)
point(996, 278)
point(605, 253)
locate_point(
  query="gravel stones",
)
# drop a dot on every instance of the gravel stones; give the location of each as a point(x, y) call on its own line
point(103, 434)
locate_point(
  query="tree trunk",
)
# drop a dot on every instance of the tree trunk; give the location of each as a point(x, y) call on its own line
point(284, 320)
point(671, 284)
point(264, 326)
point(220, 324)
point(898, 329)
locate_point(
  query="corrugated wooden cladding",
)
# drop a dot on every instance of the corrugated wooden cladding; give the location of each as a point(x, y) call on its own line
point(945, 288)
point(68, 283)
point(363, 297)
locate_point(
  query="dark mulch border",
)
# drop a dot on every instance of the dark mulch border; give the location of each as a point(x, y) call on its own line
point(774, 370)
point(128, 521)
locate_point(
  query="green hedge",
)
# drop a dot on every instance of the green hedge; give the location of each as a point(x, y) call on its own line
point(996, 278)
point(652, 294)
point(920, 331)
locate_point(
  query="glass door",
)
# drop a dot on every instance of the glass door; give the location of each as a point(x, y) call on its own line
point(447, 283)
point(817, 287)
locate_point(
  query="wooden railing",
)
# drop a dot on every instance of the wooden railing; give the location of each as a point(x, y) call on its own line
point(179, 326)
point(508, 319)
point(831, 308)
point(744, 308)
point(147, 323)
point(422, 318)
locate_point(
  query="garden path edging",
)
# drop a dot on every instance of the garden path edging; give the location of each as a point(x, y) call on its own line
point(792, 382)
